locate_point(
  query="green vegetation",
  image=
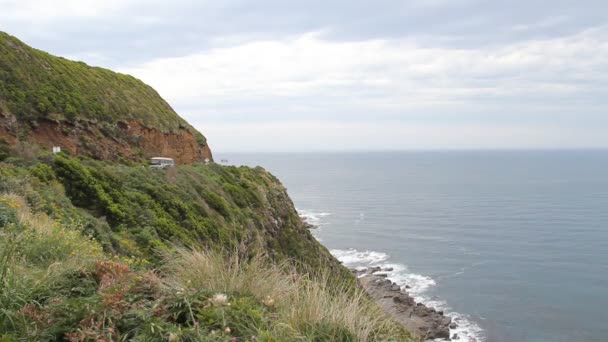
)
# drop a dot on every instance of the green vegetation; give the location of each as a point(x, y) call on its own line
point(35, 85)
point(58, 284)
point(137, 211)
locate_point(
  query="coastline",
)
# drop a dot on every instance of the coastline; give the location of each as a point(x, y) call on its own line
point(400, 293)
point(424, 322)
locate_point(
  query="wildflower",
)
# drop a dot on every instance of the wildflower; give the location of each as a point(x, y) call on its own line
point(172, 337)
point(219, 299)
point(227, 330)
point(268, 301)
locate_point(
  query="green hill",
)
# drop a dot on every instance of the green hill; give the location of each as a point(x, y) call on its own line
point(35, 85)
point(52, 100)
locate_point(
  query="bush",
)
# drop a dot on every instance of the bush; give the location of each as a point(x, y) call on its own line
point(216, 202)
point(7, 215)
point(4, 150)
point(43, 172)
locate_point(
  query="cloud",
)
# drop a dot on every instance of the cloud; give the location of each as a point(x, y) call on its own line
point(40, 11)
point(181, 27)
point(306, 136)
point(395, 79)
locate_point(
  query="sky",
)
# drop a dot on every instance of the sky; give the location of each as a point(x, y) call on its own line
point(348, 75)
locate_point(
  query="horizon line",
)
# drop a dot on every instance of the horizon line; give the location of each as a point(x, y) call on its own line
point(559, 149)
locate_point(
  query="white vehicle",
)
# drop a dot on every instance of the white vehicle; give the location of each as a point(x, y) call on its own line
point(161, 163)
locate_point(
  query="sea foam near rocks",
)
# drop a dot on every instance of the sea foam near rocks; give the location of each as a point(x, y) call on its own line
point(312, 217)
point(415, 285)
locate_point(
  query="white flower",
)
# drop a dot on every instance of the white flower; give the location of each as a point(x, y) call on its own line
point(268, 301)
point(219, 299)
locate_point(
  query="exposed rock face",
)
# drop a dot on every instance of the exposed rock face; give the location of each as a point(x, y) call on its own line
point(128, 140)
point(422, 321)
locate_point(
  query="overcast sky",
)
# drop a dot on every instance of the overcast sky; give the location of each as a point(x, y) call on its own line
point(277, 75)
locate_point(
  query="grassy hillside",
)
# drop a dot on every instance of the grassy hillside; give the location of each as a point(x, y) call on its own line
point(56, 284)
point(91, 250)
point(138, 211)
point(35, 85)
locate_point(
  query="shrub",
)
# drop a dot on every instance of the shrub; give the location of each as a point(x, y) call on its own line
point(4, 150)
point(43, 172)
point(216, 202)
point(7, 215)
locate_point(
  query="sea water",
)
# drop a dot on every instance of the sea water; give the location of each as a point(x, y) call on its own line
point(512, 244)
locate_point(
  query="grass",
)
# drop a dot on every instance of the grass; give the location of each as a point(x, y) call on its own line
point(56, 284)
point(310, 308)
point(38, 259)
point(35, 85)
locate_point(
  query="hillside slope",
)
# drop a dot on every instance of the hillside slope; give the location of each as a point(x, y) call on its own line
point(96, 251)
point(97, 246)
point(88, 110)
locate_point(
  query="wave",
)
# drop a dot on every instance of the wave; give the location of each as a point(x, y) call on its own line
point(418, 285)
point(313, 217)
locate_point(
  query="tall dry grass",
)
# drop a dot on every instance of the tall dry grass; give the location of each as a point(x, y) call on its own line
point(300, 301)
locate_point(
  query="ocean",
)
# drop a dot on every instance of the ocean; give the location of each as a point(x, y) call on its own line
point(512, 244)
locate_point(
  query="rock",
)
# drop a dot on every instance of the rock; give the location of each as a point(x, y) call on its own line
point(424, 322)
point(307, 225)
point(388, 269)
point(408, 287)
point(455, 337)
point(453, 325)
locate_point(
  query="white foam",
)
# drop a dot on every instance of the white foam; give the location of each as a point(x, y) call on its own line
point(353, 258)
point(467, 330)
point(313, 217)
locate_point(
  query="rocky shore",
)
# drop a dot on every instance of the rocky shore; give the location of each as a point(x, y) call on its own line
point(424, 322)
point(420, 320)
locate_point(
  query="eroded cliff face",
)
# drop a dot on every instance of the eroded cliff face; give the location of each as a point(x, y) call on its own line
point(125, 140)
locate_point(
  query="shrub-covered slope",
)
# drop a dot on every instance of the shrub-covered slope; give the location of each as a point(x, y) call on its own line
point(91, 250)
point(137, 211)
point(57, 285)
point(87, 110)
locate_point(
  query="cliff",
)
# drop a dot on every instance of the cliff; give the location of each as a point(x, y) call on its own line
point(86, 110)
point(98, 251)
